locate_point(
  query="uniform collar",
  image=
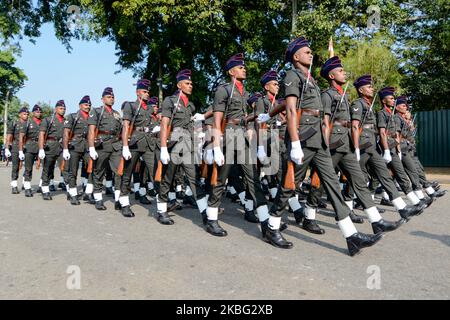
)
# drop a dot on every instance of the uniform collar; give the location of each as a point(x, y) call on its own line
point(38, 121)
point(339, 89)
point(240, 87)
point(387, 109)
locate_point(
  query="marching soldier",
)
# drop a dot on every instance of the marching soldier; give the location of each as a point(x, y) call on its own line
point(337, 116)
point(138, 116)
point(389, 127)
point(50, 143)
point(229, 107)
point(306, 145)
point(177, 112)
point(75, 145)
point(12, 140)
point(28, 144)
point(105, 146)
point(364, 140)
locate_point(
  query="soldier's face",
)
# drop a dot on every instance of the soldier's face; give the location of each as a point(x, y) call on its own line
point(389, 101)
point(85, 107)
point(60, 110)
point(155, 109)
point(366, 91)
point(303, 56)
point(239, 72)
point(143, 94)
point(23, 116)
point(273, 87)
point(185, 86)
point(108, 100)
point(401, 108)
point(37, 114)
point(339, 75)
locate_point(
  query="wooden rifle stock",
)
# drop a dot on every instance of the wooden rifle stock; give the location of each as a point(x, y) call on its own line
point(289, 180)
point(90, 165)
point(158, 174)
point(214, 174)
point(122, 159)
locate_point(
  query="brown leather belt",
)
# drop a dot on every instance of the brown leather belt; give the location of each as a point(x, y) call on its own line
point(368, 126)
point(104, 132)
point(342, 123)
point(311, 112)
point(236, 122)
point(52, 139)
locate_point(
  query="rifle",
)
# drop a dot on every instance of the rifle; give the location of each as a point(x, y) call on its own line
point(69, 139)
point(315, 180)
point(289, 182)
point(23, 143)
point(129, 133)
point(38, 162)
point(90, 165)
point(158, 174)
point(222, 129)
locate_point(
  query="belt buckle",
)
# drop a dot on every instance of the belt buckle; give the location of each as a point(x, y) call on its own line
point(146, 129)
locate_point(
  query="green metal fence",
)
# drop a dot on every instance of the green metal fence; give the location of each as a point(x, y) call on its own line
point(433, 138)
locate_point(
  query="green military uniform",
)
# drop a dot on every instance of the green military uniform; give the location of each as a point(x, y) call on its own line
point(108, 145)
point(54, 126)
point(315, 151)
point(78, 146)
point(14, 128)
point(182, 154)
point(30, 129)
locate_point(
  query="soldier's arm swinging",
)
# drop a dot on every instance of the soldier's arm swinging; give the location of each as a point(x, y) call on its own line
point(41, 140)
point(125, 128)
point(163, 131)
point(21, 139)
point(291, 115)
point(91, 135)
point(217, 128)
point(383, 138)
point(355, 133)
point(326, 129)
point(66, 135)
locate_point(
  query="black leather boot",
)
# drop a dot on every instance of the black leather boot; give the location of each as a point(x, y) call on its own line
point(438, 194)
point(189, 200)
point(357, 204)
point(151, 192)
point(28, 193)
point(62, 186)
point(126, 212)
point(144, 200)
point(322, 204)
point(384, 226)
point(385, 202)
point(427, 201)
point(283, 226)
point(250, 216)
point(213, 227)
point(299, 214)
point(109, 191)
point(15, 190)
point(356, 218)
point(163, 218)
point(409, 211)
point(275, 238)
point(74, 201)
point(312, 226)
point(360, 240)
point(137, 195)
point(99, 205)
point(46, 196)
point(52, 188)
point(174, 205)
point(232, 197)
point(39, 190)
point(117, 205)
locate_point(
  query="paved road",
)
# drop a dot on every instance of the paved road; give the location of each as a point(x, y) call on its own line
point(138, 258)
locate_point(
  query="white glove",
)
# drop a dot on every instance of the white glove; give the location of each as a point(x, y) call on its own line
point(261, 154)
point(41, 154)
point(156, 129)
point(198, 117)
point(66, 154)
point(358, 154)
point(92, 153)
point(387, 156)
point(209, 159)
point(164, 155)
point(7, 153)
point(21, 155)
point(296, 152)
point(126, 154)
point(278, 123)
point(263, 117)
point(218, 156)
point(400, 155)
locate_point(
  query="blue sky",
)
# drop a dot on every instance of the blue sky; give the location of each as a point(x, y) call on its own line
point(55, 74)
